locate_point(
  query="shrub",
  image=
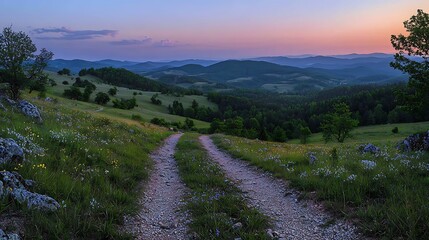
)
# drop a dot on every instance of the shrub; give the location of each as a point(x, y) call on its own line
point(136, 117)
point(87, 93)
point(112, 91)
point(101, 98)
point(64, 71)
point(154, 99)
point(65, 83)
point(395, 130)
point(73, 93)
point(125, 103)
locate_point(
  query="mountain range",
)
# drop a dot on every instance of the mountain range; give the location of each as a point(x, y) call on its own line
point(279, 73)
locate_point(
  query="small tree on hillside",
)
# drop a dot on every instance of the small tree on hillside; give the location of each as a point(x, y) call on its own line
point(112, 91)
point(412, 58)
point(305, 132)
point(73, 93)
point(21, 67)
point(339, 123)
point(101, 98)
point(64, 71)
point(154, 99)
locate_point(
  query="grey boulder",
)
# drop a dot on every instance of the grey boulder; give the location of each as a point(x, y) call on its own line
point(10, 151)
point(13, 185)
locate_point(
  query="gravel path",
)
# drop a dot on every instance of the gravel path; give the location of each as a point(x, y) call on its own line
point(291, 219)
point(160, 216)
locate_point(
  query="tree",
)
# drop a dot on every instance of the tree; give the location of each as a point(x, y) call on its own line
point(154, 99)
point(125, 103)
point(305, 132)
point(112, 91)
point(64, 71)
point(339, 123)
point(412, 59)
point(189, 123)
point(101, 98)
point(279, 134)
point(73, 93)
point(87, 93)
point(20, 66)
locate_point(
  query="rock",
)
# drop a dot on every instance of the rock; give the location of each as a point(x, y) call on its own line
point(163, 225)
point(276, 234)
point(270, 233)
point(415, 142)
point(10, 151)
point(311, 158)
point(369, 148)
point(2, 107)
point(35, 200)
point(29, 109)
point(237, 226)
point(10, 101)
point(10, 236)
point(14, 185)
point(48, 99)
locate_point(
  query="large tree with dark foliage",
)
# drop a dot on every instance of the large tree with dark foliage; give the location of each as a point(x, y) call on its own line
point(412, 58)
point(21, 67)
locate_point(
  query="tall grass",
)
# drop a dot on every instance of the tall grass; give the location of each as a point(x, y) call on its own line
point(215, 203)
point(387, 193)
point(90, 165)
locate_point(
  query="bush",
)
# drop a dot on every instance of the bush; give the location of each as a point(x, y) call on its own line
point(159, 122)
point(395, 130)
point(154, 99)
point(87, 93)
point(73, 93)
point(136, 117)
point(84, 84)
point(112, 91)
point(65, 83)
point(64, 71)
point(101, 98)
point(125, 103)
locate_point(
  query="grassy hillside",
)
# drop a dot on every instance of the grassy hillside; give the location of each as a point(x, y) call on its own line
point(145, 108)
point(376, 134)
point(85, 162)
point(384, 193)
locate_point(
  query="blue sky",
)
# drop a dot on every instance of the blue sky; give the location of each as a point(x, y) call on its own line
point(209, 29)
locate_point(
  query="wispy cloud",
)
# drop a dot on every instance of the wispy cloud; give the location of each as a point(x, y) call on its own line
point(126, 42)
point(147, 42)
point(68, 34)
point(166, 43)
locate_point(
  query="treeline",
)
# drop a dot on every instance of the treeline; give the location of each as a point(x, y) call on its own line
point(124, 78)
point(278, 117)
point(194, 111)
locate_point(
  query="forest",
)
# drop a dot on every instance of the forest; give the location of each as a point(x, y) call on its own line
point(124, 78)
point(259, 114)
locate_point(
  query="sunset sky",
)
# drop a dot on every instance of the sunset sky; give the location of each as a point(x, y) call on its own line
point(141, 30)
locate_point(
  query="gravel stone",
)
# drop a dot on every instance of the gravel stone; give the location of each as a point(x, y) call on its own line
point(292, 219)
point(161, 215)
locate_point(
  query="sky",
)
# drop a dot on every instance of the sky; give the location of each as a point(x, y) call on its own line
point(156, 30)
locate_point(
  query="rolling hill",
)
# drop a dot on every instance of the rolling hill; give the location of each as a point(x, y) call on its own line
point(281, 78)
point(278, 73)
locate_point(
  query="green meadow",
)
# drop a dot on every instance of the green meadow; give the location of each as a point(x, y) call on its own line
point(145, 108)
point(385, 193)
point(92, 165)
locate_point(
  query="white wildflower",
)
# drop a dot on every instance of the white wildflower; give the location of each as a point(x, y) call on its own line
point(368, 164)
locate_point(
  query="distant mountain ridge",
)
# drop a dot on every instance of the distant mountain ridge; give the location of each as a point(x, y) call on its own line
point(277, 73)
point(76, 65)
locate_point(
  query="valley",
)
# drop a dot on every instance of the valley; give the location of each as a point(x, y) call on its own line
point(232, 120)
